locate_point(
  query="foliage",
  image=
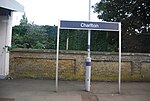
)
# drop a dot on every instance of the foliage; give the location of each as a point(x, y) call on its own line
point(29, 35)
point(135, 18)
point(134, 14)
point(77, 39)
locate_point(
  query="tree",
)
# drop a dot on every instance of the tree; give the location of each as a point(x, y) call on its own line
point(51, 38)
point(134, 16)
point(29, 35)
point(24, 20)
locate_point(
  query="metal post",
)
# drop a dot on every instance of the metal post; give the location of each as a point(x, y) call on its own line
point(57, 56)
point(119, 79)
point(88, 59)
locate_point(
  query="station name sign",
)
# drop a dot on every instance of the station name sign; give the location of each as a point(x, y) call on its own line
point(88, 25)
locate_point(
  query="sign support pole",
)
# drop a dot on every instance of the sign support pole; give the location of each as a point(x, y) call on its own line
point(57, 56)
point(119, 79)
point(88, 25)
point(88, 59)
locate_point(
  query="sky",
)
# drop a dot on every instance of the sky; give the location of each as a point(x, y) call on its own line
point(48, 12)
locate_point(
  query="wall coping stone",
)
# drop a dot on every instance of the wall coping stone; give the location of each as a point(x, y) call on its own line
point(23, 50)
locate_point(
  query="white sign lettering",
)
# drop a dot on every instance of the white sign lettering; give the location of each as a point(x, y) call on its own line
point(89, 25)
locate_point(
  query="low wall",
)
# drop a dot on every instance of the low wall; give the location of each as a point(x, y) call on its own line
point(41, 64)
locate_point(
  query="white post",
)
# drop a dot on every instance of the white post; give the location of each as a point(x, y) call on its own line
point(57, 55)
point(67, 43)
point(88, 59)
point(8, 42)
point(5, 41)
point(119, 79)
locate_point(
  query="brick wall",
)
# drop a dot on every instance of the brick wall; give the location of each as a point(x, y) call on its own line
point(41, 64)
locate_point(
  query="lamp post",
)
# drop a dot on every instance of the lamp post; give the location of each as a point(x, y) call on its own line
point(88, 59)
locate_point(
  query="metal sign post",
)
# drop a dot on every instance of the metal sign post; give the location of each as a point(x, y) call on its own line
point(119, 79)
point(88, 59)
point(57, 56)
point(89, 25)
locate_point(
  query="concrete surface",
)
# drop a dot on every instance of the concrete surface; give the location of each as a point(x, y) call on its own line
point(44, 90)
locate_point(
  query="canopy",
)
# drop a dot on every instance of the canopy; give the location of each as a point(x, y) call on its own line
point(11, 5)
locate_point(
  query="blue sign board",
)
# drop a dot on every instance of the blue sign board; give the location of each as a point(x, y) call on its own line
point(88, 25)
